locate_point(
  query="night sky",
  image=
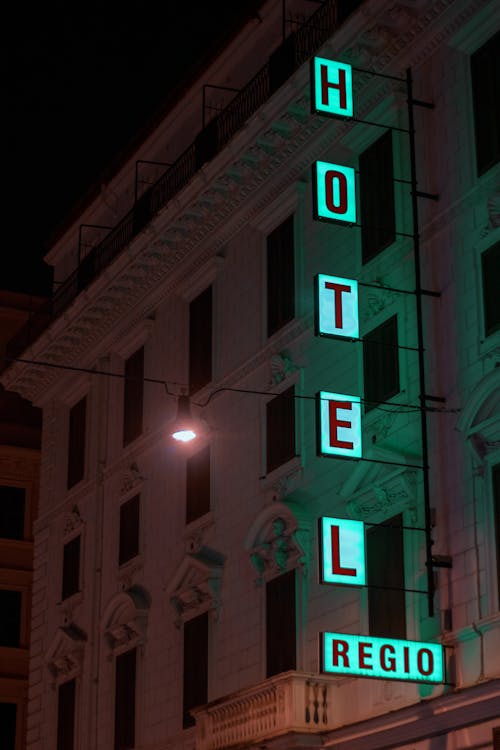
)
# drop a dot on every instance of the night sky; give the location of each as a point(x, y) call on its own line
point(83, 82)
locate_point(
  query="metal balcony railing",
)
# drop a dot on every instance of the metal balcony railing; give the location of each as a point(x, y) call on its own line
point(292, 53)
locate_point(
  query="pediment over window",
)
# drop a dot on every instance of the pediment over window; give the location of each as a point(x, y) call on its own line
point(72, 521)
point(480, 418)
point(64, 657)
point(125, 619)
point(278, 540)
point(195, 588)
point(377, 491)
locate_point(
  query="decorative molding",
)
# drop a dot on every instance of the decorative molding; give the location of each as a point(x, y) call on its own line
point(376, 492)
point(278, 542)
point(125, 620)
point(480, 417)
point(195, 588)
point(282, 366)
point(132, 479)
point(73, 522)
point(65, 654)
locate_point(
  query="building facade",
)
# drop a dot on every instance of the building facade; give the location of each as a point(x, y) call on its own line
point(20, 436)
point(185, 594)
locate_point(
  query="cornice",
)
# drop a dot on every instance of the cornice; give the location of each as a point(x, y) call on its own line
point(275, 148)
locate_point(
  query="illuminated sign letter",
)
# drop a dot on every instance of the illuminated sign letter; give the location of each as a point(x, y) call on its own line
point(336, 306)
point(331, 83)
point(342, 551)
point(339, 425)
point(334, 195)
point(387, 658)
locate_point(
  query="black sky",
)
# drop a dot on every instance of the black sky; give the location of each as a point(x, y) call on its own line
point(83, 79)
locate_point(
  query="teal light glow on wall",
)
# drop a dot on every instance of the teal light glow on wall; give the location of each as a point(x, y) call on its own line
point(385, 658)
point(331, 88)
point(334, 192)
point(336, 306)
point(339, 425)
point(342, 551)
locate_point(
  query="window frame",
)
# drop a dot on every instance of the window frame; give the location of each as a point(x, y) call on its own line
point(125, 560)
point(132, 405)
point(365, 189)
point(77, 445)
point(481, 169)
point(66, 542)
point(205, 366)
point(269, 469)
point(274, 326)
point(292, 572)
point(203, 453)
point(374, 402)
point(203, 617)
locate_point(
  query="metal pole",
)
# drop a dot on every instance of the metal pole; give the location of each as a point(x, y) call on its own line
point(420, 332)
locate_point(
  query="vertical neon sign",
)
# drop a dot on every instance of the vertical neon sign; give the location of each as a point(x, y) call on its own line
point(336, 306)
point(334, 192)
point(342, 551)
point(331, 88)
point(339, 419)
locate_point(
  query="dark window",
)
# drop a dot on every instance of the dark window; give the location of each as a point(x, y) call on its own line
point(496, 738)
point(129, 530)
point(71, 568)
point(280, 624)
point(485, 73)
point(280, 276)
point(12, 506)
point(490, 263)
point(496, 510)
point(376, 183)
point(381, 363)
point(126, 665)
point(385, 564)
point(280, 429)
point(8, 716)
point(10, 620)
point(200, 341)
point(198, 485)
point(66, 715)
point(133, 396)
point(195, 688)
point(76, 442)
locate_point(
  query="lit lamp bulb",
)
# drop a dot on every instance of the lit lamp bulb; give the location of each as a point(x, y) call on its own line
point(183, 430)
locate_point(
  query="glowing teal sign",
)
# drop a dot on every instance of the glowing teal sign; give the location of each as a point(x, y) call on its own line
point(336, 306)
point(334, 194)
point(339, 419)
point(386, 658)
point(331, 88)
point(342, 551)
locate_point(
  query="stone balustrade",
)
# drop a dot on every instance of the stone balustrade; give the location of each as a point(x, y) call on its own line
point(290, 702)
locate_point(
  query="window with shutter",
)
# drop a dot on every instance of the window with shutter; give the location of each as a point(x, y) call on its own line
point(381, 363)
point(385, 565)
point(376, 182)
point(125, 671)
point(12, 508)
point(71, 568)
point(133, 396)
point(485, 76)
point(198, 485)
point(76, 442)
point(200, 341)
point(280, 429)
point(280, 276)
point(129, 530)
point(281, 637)
point(195, 685)
point(490, 265)
point(8, 718)
point(10, 620)
point(66, 715)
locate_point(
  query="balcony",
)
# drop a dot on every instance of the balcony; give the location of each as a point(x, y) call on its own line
point(293, 702)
